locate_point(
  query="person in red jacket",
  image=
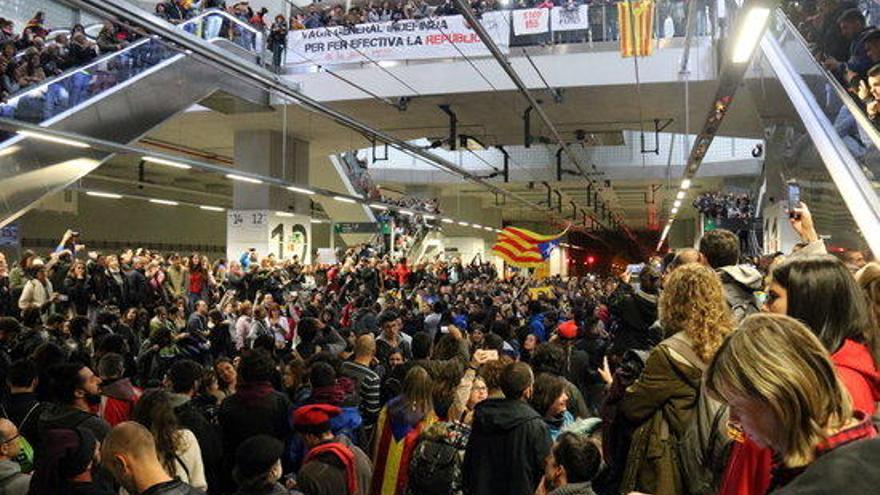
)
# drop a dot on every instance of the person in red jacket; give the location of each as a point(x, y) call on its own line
point(402, 272)
point(786, 394)
point(821, 292)
point(118, 395)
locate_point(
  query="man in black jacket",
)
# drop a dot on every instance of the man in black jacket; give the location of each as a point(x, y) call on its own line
point(255, 408)
point(509, 440)
point(129, 453)
point(75, 390)
point(182, 380)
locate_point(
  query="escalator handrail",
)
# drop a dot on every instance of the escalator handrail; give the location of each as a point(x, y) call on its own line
point(843, 169)
point(13, 99)
point(857, 112)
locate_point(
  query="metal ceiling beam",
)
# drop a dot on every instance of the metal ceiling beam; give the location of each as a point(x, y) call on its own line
point(127, 12)
point(465, 9)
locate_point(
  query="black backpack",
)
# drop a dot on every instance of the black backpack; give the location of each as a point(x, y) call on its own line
point(435, 466)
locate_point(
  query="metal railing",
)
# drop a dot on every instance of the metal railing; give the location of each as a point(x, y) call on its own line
point(670, 21)
point(52, 98)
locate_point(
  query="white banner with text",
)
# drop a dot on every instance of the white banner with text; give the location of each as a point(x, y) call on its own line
point(531, 21)
point(440, 37)
point(569, 18)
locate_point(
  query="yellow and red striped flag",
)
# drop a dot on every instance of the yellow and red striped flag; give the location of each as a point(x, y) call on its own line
point(639, 40)
point(523, 248)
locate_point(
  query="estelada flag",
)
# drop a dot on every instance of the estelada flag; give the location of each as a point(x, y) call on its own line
point(523, 248)
point(636, 21)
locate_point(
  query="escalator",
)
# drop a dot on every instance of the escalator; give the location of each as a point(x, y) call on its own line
point(822, 138)
point(118, 97)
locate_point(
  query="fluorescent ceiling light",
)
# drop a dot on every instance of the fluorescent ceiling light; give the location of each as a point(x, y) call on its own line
point(315, 220)
point(54, 139)
point(677, 203)
point(476, 226)
point(343, 199)
point(210, 208)
point(164, 202)
point(243, 179)
point(463, 224)
point(447, 220)
point(10, 150)
point(749, 34)
point(407, 213)
point(167, 163)
point(284, 214)
point(498, 230)
point(680, 195)
point(428, 217)
point(488, 229)
point(377, 206)
point(300, 190)
point(685, 184)
point(674, 211)
point(99, 194)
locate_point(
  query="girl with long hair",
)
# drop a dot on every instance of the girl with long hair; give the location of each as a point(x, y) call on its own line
point(820, 292)
point(177, 447)
point(400, 423)
point(784, 391)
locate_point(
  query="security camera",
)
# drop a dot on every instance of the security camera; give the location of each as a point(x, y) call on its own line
point(758, 151)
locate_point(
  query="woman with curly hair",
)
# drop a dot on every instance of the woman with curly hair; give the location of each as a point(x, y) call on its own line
point(696, 318)
point(177, 447)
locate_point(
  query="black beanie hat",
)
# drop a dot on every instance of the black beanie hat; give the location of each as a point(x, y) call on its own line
point(257, 455)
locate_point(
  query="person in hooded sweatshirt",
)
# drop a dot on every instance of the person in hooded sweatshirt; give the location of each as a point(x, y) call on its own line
point(819, 291)
point(720, 250)
point(12, 480)
point(509, 440)
point(118, 394)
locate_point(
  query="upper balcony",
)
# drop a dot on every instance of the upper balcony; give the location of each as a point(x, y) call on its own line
point(557, 48)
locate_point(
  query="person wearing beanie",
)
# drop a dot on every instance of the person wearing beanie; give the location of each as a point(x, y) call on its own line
point(65, 464)
point(258, 466)
point(576, 366)
point(333, 465)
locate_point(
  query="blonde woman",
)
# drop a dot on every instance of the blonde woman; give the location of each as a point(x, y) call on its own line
point(696, 318)
point(784, 393)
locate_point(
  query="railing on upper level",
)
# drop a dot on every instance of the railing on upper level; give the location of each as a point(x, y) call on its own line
point(449, 37)
point(56, 96)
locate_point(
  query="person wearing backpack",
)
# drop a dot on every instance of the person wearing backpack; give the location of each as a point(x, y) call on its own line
point(435, 468)
point(662, 401)
point(720, 250)
point(333, 465)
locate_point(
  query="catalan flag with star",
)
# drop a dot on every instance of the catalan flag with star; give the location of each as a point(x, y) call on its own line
point(523, 248)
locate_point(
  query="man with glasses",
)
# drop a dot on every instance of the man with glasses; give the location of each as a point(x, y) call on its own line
point(12, 480)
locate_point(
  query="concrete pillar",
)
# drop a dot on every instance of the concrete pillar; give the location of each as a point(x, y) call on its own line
point(266, 153)
point(268, 218)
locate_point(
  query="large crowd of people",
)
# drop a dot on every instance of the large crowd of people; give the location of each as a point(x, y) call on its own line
point(257, 375)
point(724, 205)
point(843, 37)
point(30, 57)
